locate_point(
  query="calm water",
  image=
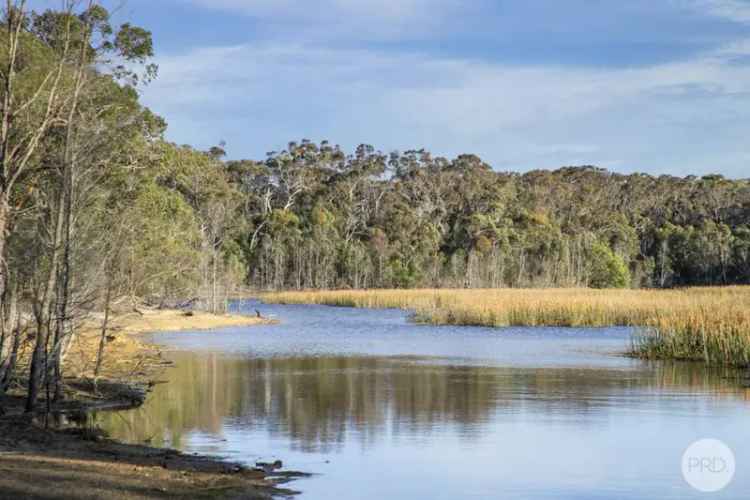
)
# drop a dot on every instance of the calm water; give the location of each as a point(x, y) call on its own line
point(381, 408)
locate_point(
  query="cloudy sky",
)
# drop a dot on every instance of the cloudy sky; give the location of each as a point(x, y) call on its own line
point(659, 86)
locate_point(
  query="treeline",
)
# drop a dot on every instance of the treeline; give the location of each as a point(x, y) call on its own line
point(321, 218)
point(97, 210)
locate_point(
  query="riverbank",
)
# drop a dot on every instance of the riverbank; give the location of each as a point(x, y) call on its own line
point(711, 325)
point(50, 464)
point(76, 462)
point(127, 357)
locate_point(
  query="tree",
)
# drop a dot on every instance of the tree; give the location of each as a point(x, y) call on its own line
point(607, 269)
point(32, 79)
point(81, 42)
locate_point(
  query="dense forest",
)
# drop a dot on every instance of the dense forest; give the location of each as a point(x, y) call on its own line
point(98, 209)
point(317, 217)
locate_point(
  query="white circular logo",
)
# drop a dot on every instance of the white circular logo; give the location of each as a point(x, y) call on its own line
point(708, 465)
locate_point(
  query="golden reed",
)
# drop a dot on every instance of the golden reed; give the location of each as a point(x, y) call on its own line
point(707, 324)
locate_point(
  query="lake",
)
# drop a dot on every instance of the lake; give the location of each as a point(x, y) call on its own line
point(378, 407)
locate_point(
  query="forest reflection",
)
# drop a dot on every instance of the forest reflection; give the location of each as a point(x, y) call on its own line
point(319, 403)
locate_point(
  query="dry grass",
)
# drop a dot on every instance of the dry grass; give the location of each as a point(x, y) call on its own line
point(709, 324)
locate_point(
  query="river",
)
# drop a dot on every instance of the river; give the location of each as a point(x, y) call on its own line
point(378, 407)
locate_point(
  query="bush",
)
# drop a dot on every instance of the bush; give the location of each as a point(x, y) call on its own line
point(607, 269)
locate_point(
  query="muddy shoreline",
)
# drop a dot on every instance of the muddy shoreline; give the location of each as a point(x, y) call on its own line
point(55, 456)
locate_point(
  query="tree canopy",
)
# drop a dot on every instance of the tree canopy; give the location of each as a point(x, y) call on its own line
point(320, 218)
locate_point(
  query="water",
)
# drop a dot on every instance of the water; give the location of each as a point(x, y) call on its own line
point(381, 408)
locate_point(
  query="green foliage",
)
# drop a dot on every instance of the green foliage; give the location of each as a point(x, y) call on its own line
point(168, 233)
point(607, 269)
point(426, 221)
point(483, 244)
point(401, 274)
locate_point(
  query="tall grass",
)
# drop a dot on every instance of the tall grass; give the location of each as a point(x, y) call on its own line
point(707, 324)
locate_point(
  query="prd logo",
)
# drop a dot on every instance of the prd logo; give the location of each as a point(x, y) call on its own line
point(708, 465)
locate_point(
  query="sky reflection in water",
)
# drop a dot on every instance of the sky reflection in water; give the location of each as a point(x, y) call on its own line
point(382, 408)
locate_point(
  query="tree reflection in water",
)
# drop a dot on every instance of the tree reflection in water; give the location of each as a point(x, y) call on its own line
point(318, 403)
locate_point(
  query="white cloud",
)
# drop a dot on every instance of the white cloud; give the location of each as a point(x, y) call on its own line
point(734, 10)
point(363, 19)
point(682, 117)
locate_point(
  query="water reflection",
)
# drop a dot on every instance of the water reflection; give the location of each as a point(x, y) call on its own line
point(382, 408)
point(317, 402)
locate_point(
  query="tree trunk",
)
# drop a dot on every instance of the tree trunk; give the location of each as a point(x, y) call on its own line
point(10, 368)
point(8, 338)
point(35, 367)
point(63, 296)
point(44, 313)
point(69, 169)
point(8, 314)
point(3, 234)
point(5, 327)
point(103, 337)
point(213, 283)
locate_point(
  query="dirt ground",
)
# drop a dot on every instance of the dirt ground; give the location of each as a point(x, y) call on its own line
point(51, 464)
point(61, 461)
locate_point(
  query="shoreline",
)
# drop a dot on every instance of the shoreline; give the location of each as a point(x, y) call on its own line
point(703, 324)
point(73, 461)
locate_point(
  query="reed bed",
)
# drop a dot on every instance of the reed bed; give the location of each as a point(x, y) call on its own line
point(707, 324)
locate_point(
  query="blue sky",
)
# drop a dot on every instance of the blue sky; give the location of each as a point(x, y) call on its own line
point(658, 86)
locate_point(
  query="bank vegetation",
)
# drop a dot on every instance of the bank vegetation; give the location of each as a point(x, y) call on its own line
point(99, 215)
point(709, 324)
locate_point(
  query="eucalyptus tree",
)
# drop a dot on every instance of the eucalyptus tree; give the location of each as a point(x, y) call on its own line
point(33, 79)
point(202, 180)
point(412, 219)
point(59, 56)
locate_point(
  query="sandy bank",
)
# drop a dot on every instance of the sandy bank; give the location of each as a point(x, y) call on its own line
point(127, 357)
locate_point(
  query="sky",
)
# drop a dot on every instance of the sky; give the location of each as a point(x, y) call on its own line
point(656, 86)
